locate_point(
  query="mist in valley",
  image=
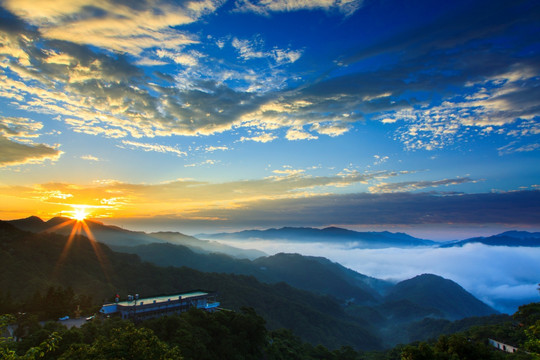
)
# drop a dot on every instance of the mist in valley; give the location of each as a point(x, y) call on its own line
point(502, 277)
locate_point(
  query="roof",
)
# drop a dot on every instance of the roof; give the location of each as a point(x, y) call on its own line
point(163, 298)
point(108, 309)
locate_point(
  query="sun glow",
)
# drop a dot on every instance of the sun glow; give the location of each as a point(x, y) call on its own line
point(79, 213)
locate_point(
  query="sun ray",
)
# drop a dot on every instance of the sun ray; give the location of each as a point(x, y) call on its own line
point(78, 221)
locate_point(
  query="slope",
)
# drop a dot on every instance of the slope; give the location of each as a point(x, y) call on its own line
point(32, 262)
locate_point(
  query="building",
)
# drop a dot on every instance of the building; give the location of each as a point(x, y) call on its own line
point(136, 308)
point(503, 347)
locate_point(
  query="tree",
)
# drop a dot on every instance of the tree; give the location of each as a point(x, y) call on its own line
point(8, 353)
point(124, 343)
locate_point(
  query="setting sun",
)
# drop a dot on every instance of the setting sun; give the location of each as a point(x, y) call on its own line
point(79, 214)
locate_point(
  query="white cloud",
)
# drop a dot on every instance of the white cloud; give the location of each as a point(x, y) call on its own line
point(121, 27)
point(416, 185)
point(216, 148)
point(253, 49)
point(513, 147)
point(263, 138)
point(90, 157)
point(502, 277)
point(264, 7)
point(299, 134)
point(154, 147)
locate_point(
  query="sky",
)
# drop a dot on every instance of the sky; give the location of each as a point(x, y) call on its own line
point(215, 115)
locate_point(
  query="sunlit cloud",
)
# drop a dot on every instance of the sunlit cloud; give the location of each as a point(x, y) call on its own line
point(262, 7)
point(90, 158)
point(17, 146)
point(254, 50)
point(263, 138)
point(121, 27)
point(216, 148)
point(417, 185)
point(191, 196)
point(154, 147)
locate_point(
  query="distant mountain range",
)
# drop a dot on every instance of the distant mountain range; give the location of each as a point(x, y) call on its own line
point(336, 306)
point(509, 238)
point(371, 240)
point(116, 236)
point(209, 243)
point(357, 239)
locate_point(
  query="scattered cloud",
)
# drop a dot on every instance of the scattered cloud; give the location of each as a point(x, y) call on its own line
point(216, 148)
point(262, 7)
point(514, 147)
point(17, 143)
point(416, 185)
point(263, 138)
point(205, 162)
point(90, 158)
point(299, 134)
point(254, 50)
point(14, 153)
point(154, 147)
point(380, 159)
point(122, 27)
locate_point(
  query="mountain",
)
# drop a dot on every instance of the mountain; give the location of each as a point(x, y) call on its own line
point(111, 235)
point(31, 262)
point(205, 246)
point(442, 297)
point(330, 234)
point(315, 274)
point(363, 312)
point(116, 236)
point(509, 238)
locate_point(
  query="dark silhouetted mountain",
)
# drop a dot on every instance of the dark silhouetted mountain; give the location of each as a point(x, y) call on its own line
point(439, 295)
point(321, 275)
point(509, 238)
point(315, 274)
point(207, 247)
point(111, 235)
point(330, 234)
point(116, 236)
point(31, 262)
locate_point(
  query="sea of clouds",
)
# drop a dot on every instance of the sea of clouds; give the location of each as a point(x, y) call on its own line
point(502, 277)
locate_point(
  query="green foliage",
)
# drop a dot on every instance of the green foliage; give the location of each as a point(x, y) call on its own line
point(7, 346)
point(125, 342)
point(203, 335)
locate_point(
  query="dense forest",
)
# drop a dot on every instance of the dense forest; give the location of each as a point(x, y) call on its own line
point(199, 335)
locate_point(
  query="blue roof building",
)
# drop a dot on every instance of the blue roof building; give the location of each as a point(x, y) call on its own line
point(147, 308)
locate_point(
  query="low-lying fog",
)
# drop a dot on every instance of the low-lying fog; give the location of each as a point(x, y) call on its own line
point(502, 277)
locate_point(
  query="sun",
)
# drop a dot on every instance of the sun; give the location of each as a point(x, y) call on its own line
point(79, 214)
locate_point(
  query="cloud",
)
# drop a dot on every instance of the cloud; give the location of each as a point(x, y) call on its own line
point(502, 277)
point(249, 50)
point(416, 185)
point(299, 134)
point(13, 153)
point(47, 69)
point(125, 27)
point(514, 147)
point(216, 148)
point(382, 209)
point(263, 138)
point(263, 7)
point(154, 147)
point(192, 197)
point(90, 158)
point(17, 145)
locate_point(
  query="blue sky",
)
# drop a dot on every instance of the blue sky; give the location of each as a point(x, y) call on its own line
point(198, 115)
